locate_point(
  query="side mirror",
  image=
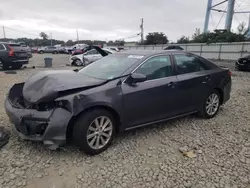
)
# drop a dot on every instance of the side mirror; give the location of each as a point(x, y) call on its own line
point(136, 77)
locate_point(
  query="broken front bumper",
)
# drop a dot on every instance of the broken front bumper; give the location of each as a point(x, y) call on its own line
point(50, 127)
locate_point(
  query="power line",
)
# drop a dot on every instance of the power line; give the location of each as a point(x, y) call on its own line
point(241, 2)
point(237, 19)
point(20, 31)
point(241, 8)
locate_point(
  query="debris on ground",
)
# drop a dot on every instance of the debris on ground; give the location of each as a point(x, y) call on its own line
point(189, 154)
point(4, 137)
point(183, 149)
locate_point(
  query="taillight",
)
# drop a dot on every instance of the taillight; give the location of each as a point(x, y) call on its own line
point(229, 73)
point(11, 52)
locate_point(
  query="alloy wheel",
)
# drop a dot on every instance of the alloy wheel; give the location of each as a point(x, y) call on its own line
point(99, 132)
point(78, 62)
point(212, 104)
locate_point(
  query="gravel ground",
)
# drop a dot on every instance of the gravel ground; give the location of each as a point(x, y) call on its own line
point(146, 157)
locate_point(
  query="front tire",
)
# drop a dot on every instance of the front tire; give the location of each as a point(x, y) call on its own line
point(94, 131)
point(41, 52)
point(211, 105)
point(78, 62)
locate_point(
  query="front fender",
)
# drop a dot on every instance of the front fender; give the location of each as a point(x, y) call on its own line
point(78, 108)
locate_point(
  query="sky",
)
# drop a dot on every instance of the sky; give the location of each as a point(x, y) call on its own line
point(110, 19)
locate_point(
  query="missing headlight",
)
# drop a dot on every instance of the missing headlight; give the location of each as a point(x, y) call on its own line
point(52, 105)
point(45, 106)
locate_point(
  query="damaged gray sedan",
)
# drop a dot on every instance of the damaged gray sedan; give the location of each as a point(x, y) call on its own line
point(116, 93)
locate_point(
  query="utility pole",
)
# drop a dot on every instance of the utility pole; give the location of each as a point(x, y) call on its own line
point(248, 28)
point(4, 33)
point(142, 31)
point(209, 6)
point(50, 39)
point(230, 13)
point(77, 36)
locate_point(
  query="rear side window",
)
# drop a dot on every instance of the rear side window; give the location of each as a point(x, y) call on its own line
point(156, 67)
point(2, 47)
point(92, 52)
point(187, 63)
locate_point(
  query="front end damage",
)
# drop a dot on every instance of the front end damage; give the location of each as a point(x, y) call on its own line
point(46, 122)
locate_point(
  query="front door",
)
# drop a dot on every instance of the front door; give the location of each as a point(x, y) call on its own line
point(153, 99)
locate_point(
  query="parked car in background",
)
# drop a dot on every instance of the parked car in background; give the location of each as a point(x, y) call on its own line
point(119, 92)
point(79, 46)
point(12, 55)
point(28, 50)
point(48, 49)
point(113, 48)
point(77, 51)
point(34, 49)
point(120, 48)
point(243, 63)
point(173, 47)
point(69, 49)
point(88, 57)
point(62, 50)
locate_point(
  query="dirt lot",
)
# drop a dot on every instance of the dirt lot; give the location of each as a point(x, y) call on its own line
point(146, 157)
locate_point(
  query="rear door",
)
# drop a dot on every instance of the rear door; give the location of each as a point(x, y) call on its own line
point(51, 49)
point(153, 99)
point(194, 81)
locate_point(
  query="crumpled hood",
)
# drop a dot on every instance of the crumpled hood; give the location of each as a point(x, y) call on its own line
point(46, 85)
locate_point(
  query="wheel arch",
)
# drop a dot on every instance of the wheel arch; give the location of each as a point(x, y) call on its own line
point(71, 123)
point(220, 91)
point(74, 61)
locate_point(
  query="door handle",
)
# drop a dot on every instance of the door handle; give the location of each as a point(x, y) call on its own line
point(171, 84)
point(207, 78)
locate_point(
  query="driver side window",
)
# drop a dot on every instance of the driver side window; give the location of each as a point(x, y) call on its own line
point(156, 67)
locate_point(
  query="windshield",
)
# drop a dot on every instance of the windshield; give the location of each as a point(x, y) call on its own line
point(109, 67)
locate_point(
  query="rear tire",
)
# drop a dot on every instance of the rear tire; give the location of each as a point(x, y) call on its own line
point(41, 52)
point(86, 133)
point(2, 66)
point(211, 105)
point(55, 52)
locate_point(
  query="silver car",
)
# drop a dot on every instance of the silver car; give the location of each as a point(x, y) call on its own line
point(88, 57)
point(48, 49)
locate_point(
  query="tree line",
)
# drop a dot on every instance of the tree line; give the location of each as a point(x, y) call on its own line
point(151, 38)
